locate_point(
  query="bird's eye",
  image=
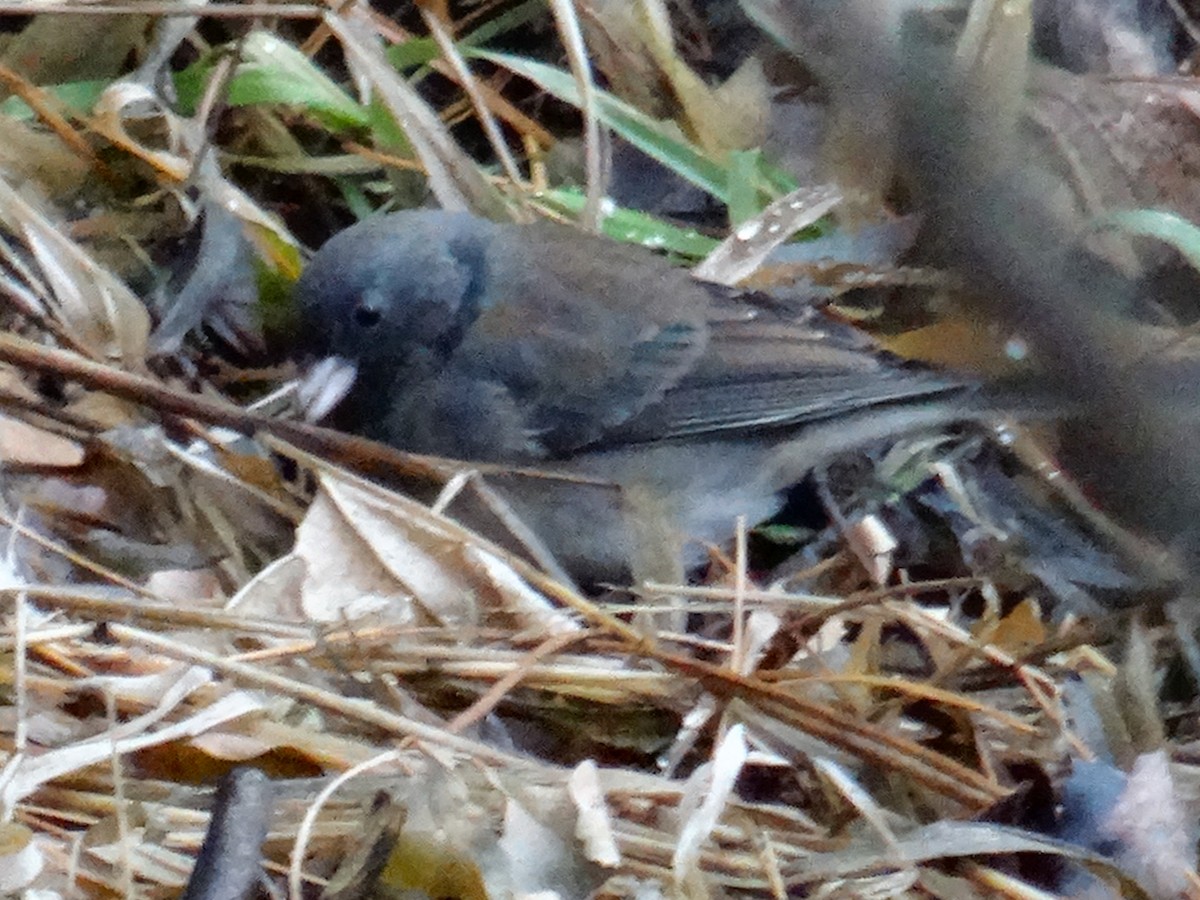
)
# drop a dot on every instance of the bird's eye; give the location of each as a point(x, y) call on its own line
point(367, 315)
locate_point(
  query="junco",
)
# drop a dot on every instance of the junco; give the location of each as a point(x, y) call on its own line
point(540, 345)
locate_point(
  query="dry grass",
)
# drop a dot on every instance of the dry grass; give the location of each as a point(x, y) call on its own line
point(192, 583)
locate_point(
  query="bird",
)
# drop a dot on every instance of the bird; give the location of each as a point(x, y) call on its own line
point(673, 405)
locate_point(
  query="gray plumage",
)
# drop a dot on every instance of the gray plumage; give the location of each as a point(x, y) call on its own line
point(542, 345)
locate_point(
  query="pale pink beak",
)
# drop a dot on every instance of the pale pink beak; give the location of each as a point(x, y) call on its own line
point(324, 386)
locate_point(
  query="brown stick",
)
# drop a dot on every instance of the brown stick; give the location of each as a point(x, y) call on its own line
point(358, 453)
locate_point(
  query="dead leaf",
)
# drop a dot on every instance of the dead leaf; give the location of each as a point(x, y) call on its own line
point(25, 444)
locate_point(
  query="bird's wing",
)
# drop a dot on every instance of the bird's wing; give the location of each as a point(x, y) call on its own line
point(582, 332)
point(765, 370)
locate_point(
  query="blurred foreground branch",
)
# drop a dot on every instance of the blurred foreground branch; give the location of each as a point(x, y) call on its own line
point(1030, 276)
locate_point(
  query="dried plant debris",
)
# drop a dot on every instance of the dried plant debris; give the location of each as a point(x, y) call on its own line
point(911, 683)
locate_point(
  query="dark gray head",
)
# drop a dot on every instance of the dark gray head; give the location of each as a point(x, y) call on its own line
point(394, 285)
point(494, 342)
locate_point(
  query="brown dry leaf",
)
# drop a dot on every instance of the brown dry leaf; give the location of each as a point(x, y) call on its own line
point(197, 587)
point(253, 468)
point(343, 577)
point(314, 746)
point(962, 344)
point(369, 550)
point(230, 746)
point(275, 592)
point(25, 444)
point(1022, 629)
point(363, 557)
point(508, 591)
point(105, 410)
point(177, 503)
